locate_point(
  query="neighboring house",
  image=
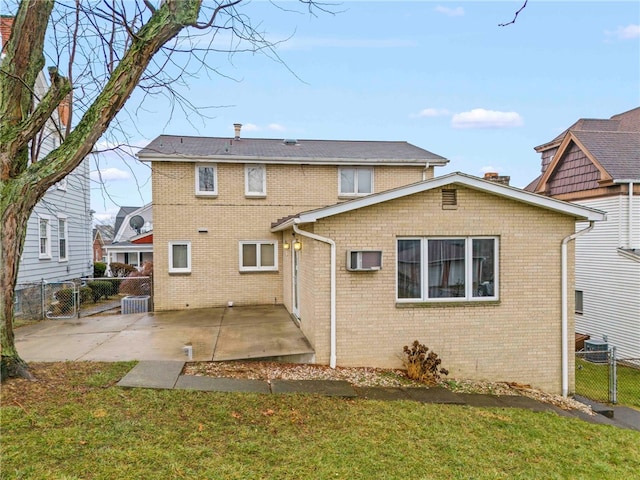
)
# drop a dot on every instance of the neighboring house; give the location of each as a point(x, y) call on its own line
point(58, 242)
point(596, 163)
point(385, 253)
point(102, 236)
point(133, 239)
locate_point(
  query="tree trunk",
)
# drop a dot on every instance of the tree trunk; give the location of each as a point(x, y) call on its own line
point(13, 224)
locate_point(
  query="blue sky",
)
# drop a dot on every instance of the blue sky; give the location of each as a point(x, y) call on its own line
point(441, 75)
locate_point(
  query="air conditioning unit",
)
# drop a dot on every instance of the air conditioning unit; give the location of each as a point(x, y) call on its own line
point(364, 260)
point(134, 304)
point(596, 351)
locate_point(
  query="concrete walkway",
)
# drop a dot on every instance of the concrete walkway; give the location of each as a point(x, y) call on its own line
point(212, 333)
point(168, 375)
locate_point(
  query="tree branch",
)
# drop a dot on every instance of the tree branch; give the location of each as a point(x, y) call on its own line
point(515, 16)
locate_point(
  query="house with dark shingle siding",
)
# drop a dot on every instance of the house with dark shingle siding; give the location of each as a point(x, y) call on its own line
point(596, 163)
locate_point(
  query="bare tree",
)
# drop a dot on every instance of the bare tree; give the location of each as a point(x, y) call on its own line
point(101, 52)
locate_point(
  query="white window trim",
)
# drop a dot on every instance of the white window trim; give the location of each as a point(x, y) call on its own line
point(247, 193)
point(355, 182)
point(186, 269)
point(424, 271)
point(258, 268)
point(64, 258)
point(207, 193)
point(47, 254)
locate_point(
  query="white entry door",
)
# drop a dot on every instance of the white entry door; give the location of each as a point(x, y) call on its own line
point(295, 282)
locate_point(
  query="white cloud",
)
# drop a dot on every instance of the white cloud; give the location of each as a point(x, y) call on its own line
point(104, 218)
point(450, 12)
point(113, 174)
point(624, 33)
point(490, 169)
point(481, 118)
point(276, 127)
point(250, 127)
point(432, 112)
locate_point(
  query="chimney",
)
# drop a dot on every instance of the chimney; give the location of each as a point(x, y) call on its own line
point(494, 177)
point(237, 127)
point(6, 25)
point(64, 110)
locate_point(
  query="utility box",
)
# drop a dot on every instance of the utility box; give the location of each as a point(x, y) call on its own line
point(596, 351)
point(134, 304)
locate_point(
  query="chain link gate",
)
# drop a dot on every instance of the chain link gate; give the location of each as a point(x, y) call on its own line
point(597, 375)
point(60, 300)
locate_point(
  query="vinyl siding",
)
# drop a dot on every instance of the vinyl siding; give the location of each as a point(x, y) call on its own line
point(610, 282)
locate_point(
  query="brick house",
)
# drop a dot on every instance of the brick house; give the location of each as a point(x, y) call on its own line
point(468, 266)
point(596, 163)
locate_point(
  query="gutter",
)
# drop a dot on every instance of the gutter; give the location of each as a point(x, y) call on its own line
point(332, 244)
point(630, 223)
point(565, 307)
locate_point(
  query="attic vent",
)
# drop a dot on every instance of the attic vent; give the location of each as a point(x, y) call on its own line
point(290, 141)
point(449, 199)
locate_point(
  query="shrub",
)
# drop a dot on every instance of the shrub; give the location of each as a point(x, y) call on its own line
point(121, 269)
point(64, 296)
point(423, 365)
point(138, 286)
point(86, 294)
point(100, 288)
point(98, 269)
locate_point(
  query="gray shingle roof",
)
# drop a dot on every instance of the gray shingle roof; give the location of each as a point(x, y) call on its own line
point(172, 147)
point(614, 142)
point(617, 152)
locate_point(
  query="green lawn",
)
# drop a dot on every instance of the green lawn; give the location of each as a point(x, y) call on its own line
point(592, 381)
point(80, 426)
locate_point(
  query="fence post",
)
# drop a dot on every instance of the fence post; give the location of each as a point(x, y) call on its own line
point(613, 377)
point(42, 289)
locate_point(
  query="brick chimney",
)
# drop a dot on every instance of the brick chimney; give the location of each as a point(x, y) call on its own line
point(64, 110)
point(237, 127)
point(6, 24)
point(494, 177)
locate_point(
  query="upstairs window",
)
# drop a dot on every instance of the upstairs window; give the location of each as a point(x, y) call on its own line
point(206, 180)
point(355, 181)
point(255, 180)
point(44, 238)
point(258, 256)
point(437, 269)
point(63, 234)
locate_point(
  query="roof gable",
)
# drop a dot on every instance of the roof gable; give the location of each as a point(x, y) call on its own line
point(269, 150)
point(516, 194)
point(613, 145)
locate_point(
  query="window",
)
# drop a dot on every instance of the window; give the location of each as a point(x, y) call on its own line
point(579, 302)
point(258, 256)
point(206, 180)
point(179, 257)
point(355, 181)
point(436, 269)
point(63, 234)
point(255, 180)
point(45, 238)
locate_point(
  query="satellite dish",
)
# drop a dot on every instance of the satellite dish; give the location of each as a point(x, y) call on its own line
point(136, 223)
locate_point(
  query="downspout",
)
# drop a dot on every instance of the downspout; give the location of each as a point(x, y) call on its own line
point(630, 215)
point(332, 244)
point(424, 172)
point(565, 307)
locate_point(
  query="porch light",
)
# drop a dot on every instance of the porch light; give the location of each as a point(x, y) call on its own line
point(286, 245)
point(297, 245)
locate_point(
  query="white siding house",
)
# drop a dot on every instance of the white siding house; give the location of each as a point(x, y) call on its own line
point(58, 241)
point(596, 163)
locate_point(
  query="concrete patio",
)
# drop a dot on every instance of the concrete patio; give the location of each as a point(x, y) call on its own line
point(213, 333)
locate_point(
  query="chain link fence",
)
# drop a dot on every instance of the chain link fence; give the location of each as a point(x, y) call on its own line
point(83, 297)
point(602, 377)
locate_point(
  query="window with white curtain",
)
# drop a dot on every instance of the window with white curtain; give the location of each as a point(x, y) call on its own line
point(44, 232)
point(436, 269)
point(355, 181)
point(63, 234)
point(179, 257)
point(255, 180)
